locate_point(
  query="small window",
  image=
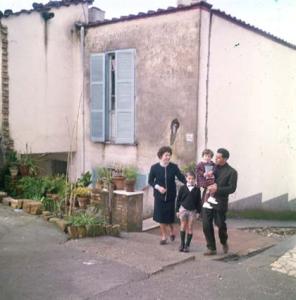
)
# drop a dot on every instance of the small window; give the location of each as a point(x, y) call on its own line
point(112, 96)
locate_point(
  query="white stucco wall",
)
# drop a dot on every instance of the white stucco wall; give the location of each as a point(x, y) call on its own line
point(252, 109)
point(45, 78)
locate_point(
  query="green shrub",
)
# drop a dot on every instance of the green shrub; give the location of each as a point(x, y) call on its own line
point(55, 184)
point(84, 219)
point(130, 173)
point(31, 187)
point(84, 180)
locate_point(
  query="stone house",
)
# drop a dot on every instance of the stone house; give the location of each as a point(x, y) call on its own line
point(190, 76)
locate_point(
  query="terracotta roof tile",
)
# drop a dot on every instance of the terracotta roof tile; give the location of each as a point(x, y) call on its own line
point(42, 7)
point(253, 28)
point(202, 5)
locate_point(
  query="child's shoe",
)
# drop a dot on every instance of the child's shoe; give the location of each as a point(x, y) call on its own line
point(212, 200)
point(207, 205)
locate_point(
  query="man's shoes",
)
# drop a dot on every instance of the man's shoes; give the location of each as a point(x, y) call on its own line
point(210, 252)
point(225, 248)
point(186, 249)
point(212, 200)
point(172, 237)
point(181, 248)
point(207, 205)
point(163, 242)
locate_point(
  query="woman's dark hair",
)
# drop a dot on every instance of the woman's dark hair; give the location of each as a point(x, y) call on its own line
point(163, 150)
point(225, 153)
point(208, 151)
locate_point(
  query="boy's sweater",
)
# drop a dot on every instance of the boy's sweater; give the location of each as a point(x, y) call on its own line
point(190, 200)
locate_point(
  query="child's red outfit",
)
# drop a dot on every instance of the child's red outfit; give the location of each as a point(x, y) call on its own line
point(202, 181)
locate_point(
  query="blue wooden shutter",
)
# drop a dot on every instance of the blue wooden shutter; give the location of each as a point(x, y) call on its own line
point(124, 109)
point(97, 97)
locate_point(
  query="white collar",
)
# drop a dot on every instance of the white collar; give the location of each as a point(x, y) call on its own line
point(163, 164)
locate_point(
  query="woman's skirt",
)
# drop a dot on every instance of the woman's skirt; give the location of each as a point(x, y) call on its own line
point(164, 211)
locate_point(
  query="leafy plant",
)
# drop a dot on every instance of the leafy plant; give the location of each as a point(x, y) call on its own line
point(84, 219)
point(11, 158)
point(26, 160)
point(105, 174)
point(82, 191)
point(130, 173)
point(84, 180)
point(55, 184)
point(48, 204)
point(31, 187)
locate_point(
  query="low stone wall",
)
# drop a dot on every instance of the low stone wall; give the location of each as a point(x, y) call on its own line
point(127, 210)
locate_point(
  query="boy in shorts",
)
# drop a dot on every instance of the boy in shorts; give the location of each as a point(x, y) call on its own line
point(188, 205)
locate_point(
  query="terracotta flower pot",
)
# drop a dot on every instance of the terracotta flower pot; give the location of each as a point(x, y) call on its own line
point(24, 170)
point(73, 231)
point(94, 230)
point(81, 231)
point(130, 185)
point(118, 182)
point(13, 171)
point(82, 201)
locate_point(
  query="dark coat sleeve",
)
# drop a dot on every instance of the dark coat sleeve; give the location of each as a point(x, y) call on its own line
point(229, 187)
point(179, 175)
point(152, 176)
point(198, 201)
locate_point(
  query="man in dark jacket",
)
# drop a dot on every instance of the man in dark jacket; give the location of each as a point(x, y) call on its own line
point(225, 184)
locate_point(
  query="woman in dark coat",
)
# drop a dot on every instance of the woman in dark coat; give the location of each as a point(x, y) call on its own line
point(162, 178)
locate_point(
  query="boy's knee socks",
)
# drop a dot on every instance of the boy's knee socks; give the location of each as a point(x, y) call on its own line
point(182, 236)
point(189, 237)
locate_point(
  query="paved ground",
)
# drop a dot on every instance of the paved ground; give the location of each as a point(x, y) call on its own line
point(38, 262)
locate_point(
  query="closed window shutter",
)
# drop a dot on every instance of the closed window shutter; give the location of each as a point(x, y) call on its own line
point(125, 96)
point(97, 96)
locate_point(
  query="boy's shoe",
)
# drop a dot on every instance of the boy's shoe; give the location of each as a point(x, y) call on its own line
point(207, 205)
point(212, 200)
point(172, 237)
point(186, 249)
point(210, 252)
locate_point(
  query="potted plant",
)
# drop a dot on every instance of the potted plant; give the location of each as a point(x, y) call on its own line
point(77, 228)
point(82, 194)
point(94, 226)
point(83, 225)
point(104, 178)
point(12, 162)
point(117, 177)
point(130, 173)
point(27, 165)
point(84, 180)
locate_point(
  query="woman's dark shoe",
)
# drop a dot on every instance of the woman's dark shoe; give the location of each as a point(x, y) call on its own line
point(163, 242)
point(172, 237)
